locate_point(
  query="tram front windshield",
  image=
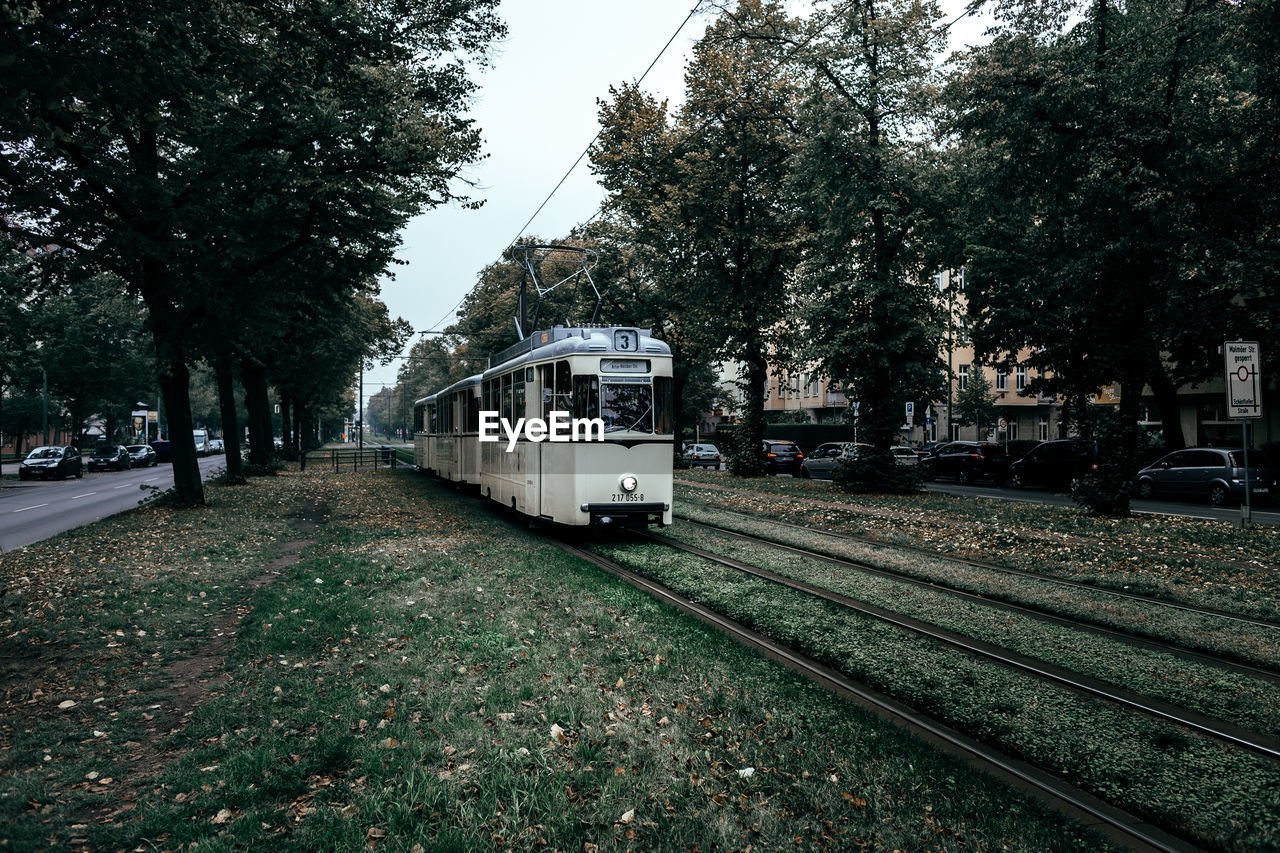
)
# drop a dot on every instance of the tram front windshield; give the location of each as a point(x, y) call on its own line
point(626, 407)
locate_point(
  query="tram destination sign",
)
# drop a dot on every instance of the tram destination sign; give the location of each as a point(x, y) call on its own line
point(1243, 381)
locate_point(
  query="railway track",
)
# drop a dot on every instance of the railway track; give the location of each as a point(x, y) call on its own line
point(1117, 825)
point(1153, 601)
point(1041, 614)
point(1220, 730)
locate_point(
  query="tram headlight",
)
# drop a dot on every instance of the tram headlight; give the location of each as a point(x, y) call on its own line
point(628, 482)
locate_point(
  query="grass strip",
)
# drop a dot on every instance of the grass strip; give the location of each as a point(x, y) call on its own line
point(421, 676)
point(1206, 563)
point(1207, 792)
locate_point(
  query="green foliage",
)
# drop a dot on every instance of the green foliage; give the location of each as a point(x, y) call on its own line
point(741, 450)
point(1116, 190)
point(876, 471)
point(867, 183)
point(976, 404)
point(1106, 491)
point(703, 195)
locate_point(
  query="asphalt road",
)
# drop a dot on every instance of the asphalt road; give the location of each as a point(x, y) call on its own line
point(37, 509)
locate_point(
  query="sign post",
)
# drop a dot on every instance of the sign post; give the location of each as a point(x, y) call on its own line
point(1243, 401)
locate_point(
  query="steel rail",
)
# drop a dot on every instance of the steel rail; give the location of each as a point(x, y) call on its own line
point(1226, 732)
point(1030, 611)
point(1134, 596)
point(1117, 825)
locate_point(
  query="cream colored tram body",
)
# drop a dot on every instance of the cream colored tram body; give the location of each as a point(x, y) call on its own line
point(444, 437)
point(613, 386)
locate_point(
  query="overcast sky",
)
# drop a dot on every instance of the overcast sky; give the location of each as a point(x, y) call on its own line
point(536, 108)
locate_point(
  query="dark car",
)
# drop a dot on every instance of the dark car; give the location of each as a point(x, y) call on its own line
point(51, 463)
point(966, 462)
point(782, 457)
point(108, 456)
point(1054, 464)
point(164, 453)
point(1206, 473)
point(143, 455)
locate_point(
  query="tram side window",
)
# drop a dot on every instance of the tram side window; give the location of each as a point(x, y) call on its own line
point(473, 412)
point(563, 401)
point(518, 397)
point(663, 416)
point(431, 418)
point(586, 396)
point(419, 413)
point(506, 398)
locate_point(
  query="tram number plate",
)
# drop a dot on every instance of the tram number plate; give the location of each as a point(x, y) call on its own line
point(628, 497)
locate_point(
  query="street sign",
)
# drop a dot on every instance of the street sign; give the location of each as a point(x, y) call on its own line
point(1004, 425)
point(1243, 382)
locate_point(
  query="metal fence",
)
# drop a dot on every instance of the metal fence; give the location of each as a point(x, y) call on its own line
point(355, 459)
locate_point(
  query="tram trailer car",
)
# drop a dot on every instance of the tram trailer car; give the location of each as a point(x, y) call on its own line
point(619, 375)
point(446, 426)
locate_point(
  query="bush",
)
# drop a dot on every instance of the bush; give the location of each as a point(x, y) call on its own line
point(1106, 490)
point(877, 472)
point(742, 454)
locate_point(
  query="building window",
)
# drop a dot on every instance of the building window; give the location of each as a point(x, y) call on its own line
point(955, 431)
point(962, 378)
point(1002, 380)
point(1022, 377)
point(1011, 429)
point(960, 279)
point(1044, 430)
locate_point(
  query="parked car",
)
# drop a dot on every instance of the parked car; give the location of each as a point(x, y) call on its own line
point(143, 455)
point(782, 457)
point(1210, 473)
point(702, 455)
point(967, 461)
point(164, 453)
point(821, 464)
point(927, 449)
point(216, 446)
point(904, 455)
point(106, 456)
point(1054, 464)
point(51, 462)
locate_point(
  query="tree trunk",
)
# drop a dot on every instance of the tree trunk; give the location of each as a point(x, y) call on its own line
point(289, 443)
point(257, 405)
point(175, 388)
point(175, 384)
point(1166, 394)
point(230, 421)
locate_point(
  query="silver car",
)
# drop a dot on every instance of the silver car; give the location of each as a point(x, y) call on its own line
point(702, 455)
point(822, 463)
point(1206, 473)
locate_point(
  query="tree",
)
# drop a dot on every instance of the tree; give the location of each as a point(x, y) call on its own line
point(975, 404)
point(1118, 183)
point(870, 180)
point(156, 139)
point(704, 195)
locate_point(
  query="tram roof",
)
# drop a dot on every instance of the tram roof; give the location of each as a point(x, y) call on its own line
point(469, 382)
point(561, 341)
